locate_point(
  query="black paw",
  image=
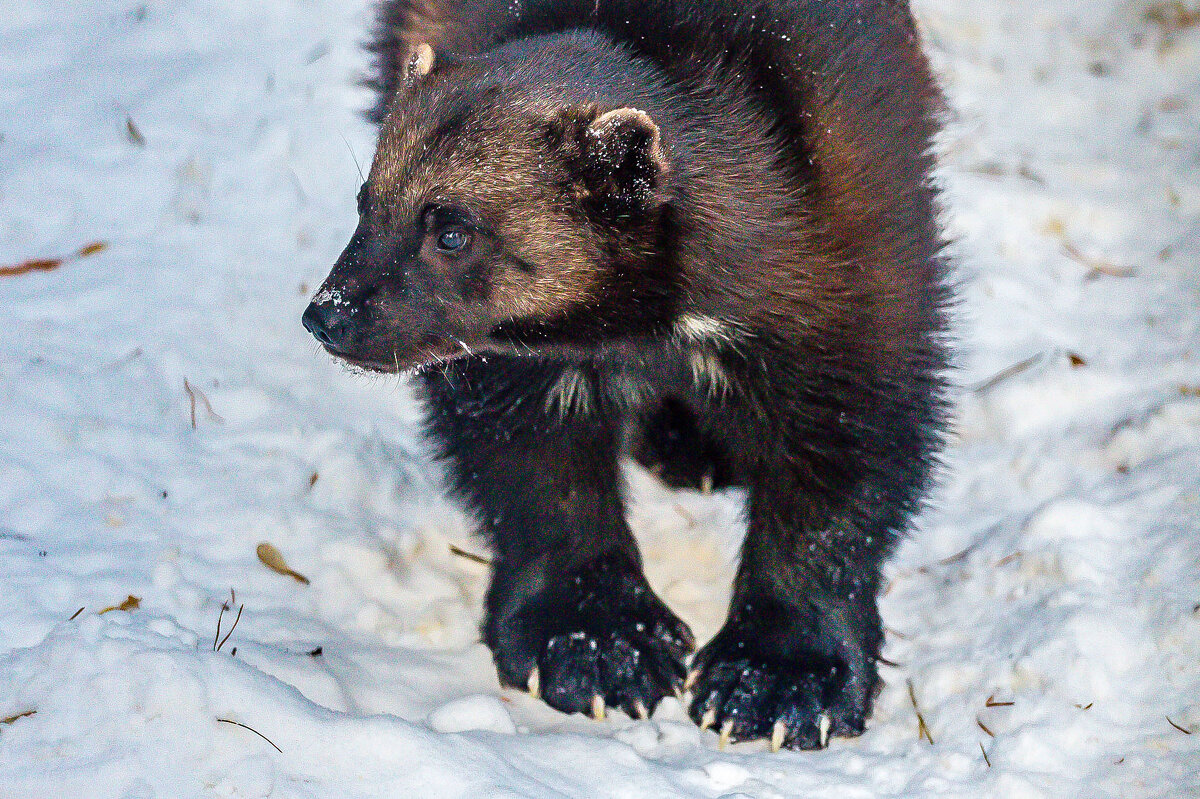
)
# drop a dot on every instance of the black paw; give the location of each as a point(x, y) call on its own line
point(593, 638)
point(798, 700)
point(668, 442)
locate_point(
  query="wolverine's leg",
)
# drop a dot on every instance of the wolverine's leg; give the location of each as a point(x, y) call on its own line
point(835, 465)
point(569, 613)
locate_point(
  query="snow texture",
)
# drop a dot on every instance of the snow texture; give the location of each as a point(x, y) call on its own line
point(212, 144)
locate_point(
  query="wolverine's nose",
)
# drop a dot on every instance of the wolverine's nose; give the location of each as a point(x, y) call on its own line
point(333, 329)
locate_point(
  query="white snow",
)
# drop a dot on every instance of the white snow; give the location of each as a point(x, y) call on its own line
point(1057, 573)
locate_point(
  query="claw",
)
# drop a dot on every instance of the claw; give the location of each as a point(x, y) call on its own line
point(690, 681)
point(598, 707)
point(708, 719)
point(823, 725)
point(640, 708)
point(726, 731)
point(706, 483)
point(535, 683)
point(778, 734)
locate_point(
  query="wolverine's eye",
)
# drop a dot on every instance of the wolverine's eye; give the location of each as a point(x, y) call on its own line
point(453, 240)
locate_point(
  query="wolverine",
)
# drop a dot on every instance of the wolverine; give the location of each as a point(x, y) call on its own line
point(701, 232)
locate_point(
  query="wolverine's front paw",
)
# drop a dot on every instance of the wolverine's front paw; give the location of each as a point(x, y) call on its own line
point(593, 638)
point(796, 700)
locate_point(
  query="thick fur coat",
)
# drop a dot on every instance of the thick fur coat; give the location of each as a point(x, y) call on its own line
point(700, 231)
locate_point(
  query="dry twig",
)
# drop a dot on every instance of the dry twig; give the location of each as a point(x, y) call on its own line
point(48, 264)
point(922, 727)
point(256, 732)
point(195, 394)
point(462, 553)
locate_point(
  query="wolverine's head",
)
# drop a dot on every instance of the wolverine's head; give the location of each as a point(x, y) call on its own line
point(513, 204)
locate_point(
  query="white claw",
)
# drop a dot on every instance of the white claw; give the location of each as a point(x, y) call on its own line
point(640, 708)
point(823, 725)
point(726, 731)
point(535, 684)
point(706, 483)
point(598, 707)
point(778, 733)
point(691, 678)
point(708, 719)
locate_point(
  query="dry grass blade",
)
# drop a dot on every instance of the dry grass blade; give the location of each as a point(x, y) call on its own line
point(922, 727)
point(194, 395)
point(1097, 265)
point(986, 759)
point(273, 560)
point(91, 249)
point(133, 134)
point(1006, 373)
point(32, 265)
point(992, 702)
point(984, 727)
point(462, 553)
point(1183, 730)
point(236, 619)
point(224, 607)
point(256, 732)
point(130, 602)
point(75, 615)
point(13, 718)
point(48, 264)
point(220, 615)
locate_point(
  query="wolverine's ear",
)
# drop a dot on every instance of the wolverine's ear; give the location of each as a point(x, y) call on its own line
point(418, 64)
point(624, 158)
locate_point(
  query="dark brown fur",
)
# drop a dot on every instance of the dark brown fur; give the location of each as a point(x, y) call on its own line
point(708, 215)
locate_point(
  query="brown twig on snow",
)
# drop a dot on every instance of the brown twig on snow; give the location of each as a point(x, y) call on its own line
point(236, 619)
point(13, 718)
point(1183, 730)
point(1008, 559)
point(1097, 265)
point(195, 394)
point(47, 264)
point(220, 615)
point(922, 727)
point(991, 702)
point(256, 732)
point(1006, 373)
point(75, 615)
point(984, 727)
point(462, 553)
point(130, 602)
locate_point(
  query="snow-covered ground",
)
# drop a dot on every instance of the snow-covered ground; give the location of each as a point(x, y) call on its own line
point(1046, 614)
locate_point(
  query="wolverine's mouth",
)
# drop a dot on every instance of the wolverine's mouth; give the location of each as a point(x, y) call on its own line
point(407, 360)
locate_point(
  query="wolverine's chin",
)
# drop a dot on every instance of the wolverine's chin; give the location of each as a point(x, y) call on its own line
point(402, 361)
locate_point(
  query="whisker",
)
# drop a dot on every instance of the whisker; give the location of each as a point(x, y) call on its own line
point(357, 165)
